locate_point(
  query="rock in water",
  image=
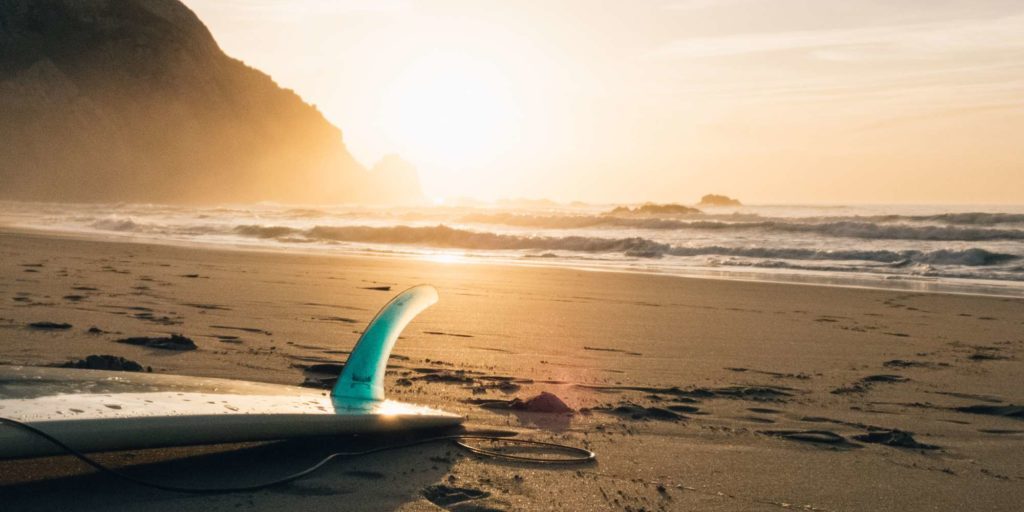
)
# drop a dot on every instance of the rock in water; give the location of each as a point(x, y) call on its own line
point(655, 209)
point(718, 200)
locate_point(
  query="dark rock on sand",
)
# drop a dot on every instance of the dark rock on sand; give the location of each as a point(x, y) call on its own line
point(866, 383)
point(987, 354)
point(444, 376)
point(895, 438)
point(378, 288)
point(884, 378)
point(685, 408)
point(106, 362)
point(208, 307)
point(503, 385)
point(254, 330)
point(639, 412)
point(172, 342)
point(1009, 411)
point(855, 388)
point(161, 320)
point(820, 437)
point(756, 393)
point(329, 368)
point(544, 402)
point(903, 363)
point(778, 375)
point(49, 326)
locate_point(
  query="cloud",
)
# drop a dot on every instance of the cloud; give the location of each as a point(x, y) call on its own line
point(909, 41)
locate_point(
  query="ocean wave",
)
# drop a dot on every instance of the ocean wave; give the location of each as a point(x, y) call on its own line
point(842, 229)
point(963, 218)
point(442, 236)
point(872, 231)
point(916, 271)
point(973, 218)
point(116, 224)
point(968, 257)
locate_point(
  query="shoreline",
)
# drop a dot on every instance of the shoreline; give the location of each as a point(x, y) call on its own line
point(856, 281)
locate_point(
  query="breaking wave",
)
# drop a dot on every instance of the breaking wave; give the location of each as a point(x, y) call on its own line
point(972, 218)
point(442, 236)
point(116, 224)
point(843, 229)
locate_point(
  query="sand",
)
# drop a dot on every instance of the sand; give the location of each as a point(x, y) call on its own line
point(695, 393)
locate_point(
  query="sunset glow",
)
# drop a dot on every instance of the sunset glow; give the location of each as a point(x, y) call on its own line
point(789, 101)
point(451, 111)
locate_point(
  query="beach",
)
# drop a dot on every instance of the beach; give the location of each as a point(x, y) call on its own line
point(695, 393)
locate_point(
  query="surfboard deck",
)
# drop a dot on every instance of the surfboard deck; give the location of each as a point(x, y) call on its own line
point(93, 410)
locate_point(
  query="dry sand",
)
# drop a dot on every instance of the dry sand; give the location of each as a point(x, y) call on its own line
point(696, 394)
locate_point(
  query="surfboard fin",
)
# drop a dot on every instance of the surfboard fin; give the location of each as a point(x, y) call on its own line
point(362, 379)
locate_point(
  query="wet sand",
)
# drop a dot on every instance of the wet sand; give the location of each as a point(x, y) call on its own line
point(695, 393)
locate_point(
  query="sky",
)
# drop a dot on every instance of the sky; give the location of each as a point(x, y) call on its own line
point(774, 101)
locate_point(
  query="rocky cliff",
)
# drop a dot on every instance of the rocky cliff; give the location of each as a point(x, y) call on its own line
point(132, 100)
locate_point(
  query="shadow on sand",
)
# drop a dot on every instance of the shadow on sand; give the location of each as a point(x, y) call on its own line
point(380, 481)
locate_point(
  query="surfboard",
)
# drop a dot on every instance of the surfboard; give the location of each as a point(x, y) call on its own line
point(92, 410)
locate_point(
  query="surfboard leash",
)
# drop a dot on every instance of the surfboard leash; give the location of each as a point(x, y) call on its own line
point(573, 455)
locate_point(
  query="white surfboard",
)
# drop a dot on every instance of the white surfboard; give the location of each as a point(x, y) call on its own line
point(93, 410)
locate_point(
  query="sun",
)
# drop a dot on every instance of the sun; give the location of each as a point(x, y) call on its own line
point(450, 111)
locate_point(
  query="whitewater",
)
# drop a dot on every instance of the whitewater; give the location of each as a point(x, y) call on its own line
point(968, 249)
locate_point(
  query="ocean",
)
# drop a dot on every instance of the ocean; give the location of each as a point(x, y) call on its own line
point(966, 249)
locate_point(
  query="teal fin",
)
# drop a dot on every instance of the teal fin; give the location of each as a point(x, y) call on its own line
point(362, 379)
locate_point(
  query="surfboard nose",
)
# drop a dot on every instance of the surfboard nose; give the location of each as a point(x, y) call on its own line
point(363, 376)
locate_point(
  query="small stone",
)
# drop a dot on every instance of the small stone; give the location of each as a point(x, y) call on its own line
point(49, 326)
point(105, 362)
point(172, 342)
point(544, 402)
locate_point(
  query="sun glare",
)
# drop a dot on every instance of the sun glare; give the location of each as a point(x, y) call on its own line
point(450, 111)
